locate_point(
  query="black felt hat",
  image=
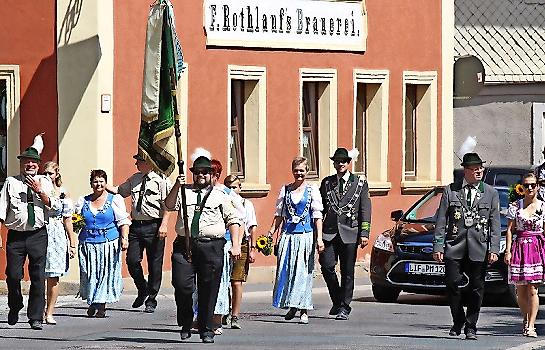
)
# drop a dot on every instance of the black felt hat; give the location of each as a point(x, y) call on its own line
point(201, 163)
point(471, 159)
point(340, 154)
point(138, 157)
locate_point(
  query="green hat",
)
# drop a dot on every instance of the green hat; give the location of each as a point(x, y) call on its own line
point(34, 151)
point(340, 154)
point(201, 162)
point(471, 159)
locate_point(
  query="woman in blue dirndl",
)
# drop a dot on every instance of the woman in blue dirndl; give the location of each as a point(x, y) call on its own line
point(101, 241)
point(299, 211)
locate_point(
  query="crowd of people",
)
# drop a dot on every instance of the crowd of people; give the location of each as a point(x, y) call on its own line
point(216, 240)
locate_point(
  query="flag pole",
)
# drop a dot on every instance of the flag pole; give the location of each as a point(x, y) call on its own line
point(178, 135)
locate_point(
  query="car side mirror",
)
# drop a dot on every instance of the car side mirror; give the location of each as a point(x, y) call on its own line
point(396, 215)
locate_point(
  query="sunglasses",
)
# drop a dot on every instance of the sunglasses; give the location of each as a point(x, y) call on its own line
point(234, 187)
point(531, 185)
point(49, 173)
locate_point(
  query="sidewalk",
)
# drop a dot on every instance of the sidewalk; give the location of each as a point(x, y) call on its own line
point(260, 279)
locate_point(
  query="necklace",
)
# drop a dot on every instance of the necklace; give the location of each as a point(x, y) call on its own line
point(294, 218)
point(348, 209)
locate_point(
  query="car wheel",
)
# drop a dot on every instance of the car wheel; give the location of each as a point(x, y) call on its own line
point(385, 294)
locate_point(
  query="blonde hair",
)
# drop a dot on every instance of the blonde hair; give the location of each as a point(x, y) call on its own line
point(54, 167)
point(298, 161)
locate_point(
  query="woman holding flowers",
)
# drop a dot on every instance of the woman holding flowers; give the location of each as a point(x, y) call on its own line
point(299, 212)
point(102, 239)
point(525, 253)
point(59, 233)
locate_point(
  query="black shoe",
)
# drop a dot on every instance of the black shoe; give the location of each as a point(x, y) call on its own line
point(471, 334)
point(334, 310)
point(455, 331)
point(139, 301)
point(13, 317)
point(185, 334)
point(342, 315)
point(149, 309)
point(207, 339)
point(36, 324)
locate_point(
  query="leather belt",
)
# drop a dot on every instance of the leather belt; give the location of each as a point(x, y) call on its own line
point(146, 222)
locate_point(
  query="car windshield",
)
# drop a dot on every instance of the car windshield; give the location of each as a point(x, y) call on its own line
point(425, 209)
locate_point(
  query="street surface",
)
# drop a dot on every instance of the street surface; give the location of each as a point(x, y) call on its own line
point(415, 322)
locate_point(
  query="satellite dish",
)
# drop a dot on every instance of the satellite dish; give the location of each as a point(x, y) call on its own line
point(469, 77)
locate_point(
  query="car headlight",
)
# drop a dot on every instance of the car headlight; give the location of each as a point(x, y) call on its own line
point(384, 242)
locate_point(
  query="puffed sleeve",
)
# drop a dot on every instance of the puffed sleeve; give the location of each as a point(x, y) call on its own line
point(512, 211)
point(120, 211)
point(67, 207)
point(47, 187)
point(79, 205)
point(279, 208)
point(316, 205)
point(251, 219)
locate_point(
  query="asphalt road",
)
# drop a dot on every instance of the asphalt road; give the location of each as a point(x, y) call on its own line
point(416, 322)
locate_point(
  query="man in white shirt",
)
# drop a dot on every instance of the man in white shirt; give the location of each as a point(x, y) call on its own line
point(25, 202)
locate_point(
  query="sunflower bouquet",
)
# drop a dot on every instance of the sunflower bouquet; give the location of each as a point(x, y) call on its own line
point(78, 222)
point(264, 244)
point(516, 192)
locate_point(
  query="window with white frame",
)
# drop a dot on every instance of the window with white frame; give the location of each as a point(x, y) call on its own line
point(318, 123)
point(9, 120)
point(419, 130)
point(247, 127)
point(371, 127)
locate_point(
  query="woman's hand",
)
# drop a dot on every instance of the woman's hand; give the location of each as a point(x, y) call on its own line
point(507, 258)
point(320, 245)
point(124, 243)
point(251, 256)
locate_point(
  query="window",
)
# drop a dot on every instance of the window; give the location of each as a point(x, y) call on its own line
point(310, 126)
point(237, 128)
point(9, 120)
point(370, 127)
point(410, 132)
point(318, 123)
point(420, 144)
point(247, 146)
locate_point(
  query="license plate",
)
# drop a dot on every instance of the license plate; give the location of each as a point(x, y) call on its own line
point(424, 269)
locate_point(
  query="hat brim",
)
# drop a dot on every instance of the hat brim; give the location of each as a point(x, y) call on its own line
point(138, 157)
point(473, 163)
point(340, 158)
point(21, 156)
point(200, 167)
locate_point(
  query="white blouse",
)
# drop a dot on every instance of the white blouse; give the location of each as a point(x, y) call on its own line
point(316, 205)
point(118, 205)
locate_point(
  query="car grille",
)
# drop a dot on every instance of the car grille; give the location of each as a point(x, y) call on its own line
point(398, 276)
point(413, 248)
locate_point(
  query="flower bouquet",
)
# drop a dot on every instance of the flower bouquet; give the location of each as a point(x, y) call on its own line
point(78, 222)
point(264, 245)
point(516, 192)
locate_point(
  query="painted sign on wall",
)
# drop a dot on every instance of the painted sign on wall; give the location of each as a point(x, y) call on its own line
point(294, 24)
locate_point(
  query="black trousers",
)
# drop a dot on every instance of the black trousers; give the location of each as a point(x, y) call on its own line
point(207, 266)
point(340, 294)
point(475, 270)
point(19, 245)
point(144, 235)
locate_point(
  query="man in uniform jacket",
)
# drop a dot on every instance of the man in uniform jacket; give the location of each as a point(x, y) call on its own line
point(347, 221)
point(467, 237)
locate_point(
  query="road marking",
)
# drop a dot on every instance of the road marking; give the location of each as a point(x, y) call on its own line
point(529, 346)
point(320, 290)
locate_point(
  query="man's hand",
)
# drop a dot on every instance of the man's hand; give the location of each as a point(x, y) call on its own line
point(251, 256)
point(492, 258)
point(181, 179)
point(72, 252)
point(163, 229)
point(124, 243)
point(320, 246)
point(438, 256)
point(235, 252)
point(33, 183)
point(363, 242)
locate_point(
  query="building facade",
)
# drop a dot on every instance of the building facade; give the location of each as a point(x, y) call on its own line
point(255, 103)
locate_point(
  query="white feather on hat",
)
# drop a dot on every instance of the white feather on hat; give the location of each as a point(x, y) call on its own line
point(38, 143)
point(201, 152)
point(353, 154)
point(468, 146)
